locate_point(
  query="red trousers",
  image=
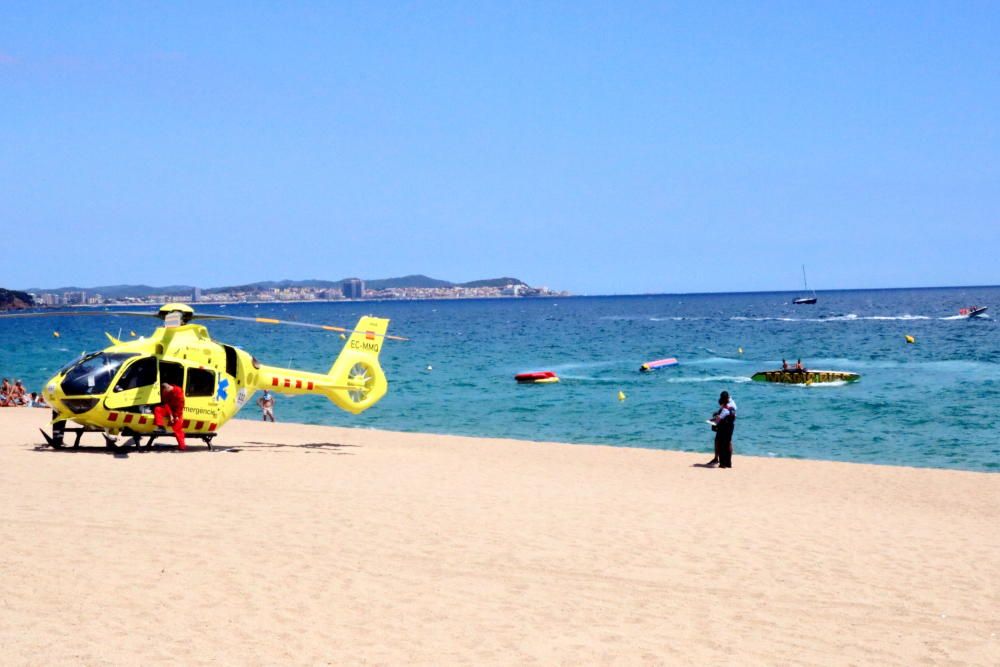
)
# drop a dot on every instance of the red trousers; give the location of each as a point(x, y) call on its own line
point(177, 421)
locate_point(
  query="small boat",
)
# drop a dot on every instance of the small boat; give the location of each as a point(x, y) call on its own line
point(793, 376)
point(537, 377)
point(659, 363)
point(805, 300)
point(973, 311)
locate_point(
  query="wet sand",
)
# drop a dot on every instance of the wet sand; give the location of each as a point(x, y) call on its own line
point(315, 545)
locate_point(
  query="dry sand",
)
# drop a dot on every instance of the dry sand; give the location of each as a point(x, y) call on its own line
point(315, 545)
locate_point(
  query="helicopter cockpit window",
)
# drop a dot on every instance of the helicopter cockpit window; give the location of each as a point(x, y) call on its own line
point(73, 363)
point(141, 373)
point(93, 374)
point(200, 382)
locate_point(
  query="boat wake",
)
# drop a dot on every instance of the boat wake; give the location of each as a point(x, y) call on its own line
point(740, 379)
point(711, 361)
point(849, 317)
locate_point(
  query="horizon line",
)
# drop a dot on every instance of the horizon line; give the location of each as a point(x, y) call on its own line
point(642, 294)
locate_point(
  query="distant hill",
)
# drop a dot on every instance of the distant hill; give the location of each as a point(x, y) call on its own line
point(117, 291)
point(416, 280)
point(494, 282)
point(410, 281)
point(11, 300)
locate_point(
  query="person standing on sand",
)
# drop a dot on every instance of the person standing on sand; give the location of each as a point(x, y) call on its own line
point(266, 403)
point(172, 408)
point(724, 420)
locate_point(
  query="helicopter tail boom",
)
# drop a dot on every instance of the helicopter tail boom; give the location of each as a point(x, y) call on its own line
point(354, 383)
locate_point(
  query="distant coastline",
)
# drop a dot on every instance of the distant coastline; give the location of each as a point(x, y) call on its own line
point(413, 287)
point(487, 289)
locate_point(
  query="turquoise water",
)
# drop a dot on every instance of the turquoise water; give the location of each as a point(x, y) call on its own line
point(935, 403)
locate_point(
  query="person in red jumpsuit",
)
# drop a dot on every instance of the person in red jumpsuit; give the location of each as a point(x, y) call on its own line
point(172, 407)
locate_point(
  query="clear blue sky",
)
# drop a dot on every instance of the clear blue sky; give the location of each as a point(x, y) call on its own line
point(614, 147)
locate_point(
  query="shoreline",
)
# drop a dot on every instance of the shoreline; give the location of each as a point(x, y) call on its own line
point(688, 452)
point(343, 545)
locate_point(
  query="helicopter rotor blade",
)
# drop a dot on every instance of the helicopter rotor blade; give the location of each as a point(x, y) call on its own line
point(269, 320)
point(196, 316)
point(82, 313)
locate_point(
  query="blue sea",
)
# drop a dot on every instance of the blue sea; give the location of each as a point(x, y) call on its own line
point(935, 403)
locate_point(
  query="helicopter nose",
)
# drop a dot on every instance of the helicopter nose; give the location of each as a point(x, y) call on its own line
point(50, 391)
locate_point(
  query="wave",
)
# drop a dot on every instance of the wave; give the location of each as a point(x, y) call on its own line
point(849, 317)
point(597, 380)
point(579, 365)
point(713, 360)
point(714, 378)
point(651, 318)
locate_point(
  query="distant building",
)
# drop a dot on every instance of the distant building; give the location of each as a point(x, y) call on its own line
point(51, 299)
point(73, 298)
point(196, 295)
point(353, 288)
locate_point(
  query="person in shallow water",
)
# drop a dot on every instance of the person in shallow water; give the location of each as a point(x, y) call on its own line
point(724, 420)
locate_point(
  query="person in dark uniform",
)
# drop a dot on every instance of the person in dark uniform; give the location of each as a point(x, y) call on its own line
point(725, 421)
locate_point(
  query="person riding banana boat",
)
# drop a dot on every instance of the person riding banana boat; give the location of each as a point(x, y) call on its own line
point(799, 374)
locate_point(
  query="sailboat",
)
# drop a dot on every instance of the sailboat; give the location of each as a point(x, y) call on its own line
point(805, 300)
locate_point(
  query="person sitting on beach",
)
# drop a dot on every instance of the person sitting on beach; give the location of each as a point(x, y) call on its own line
point(17, 395)
point(36, 401)
point(5, 393)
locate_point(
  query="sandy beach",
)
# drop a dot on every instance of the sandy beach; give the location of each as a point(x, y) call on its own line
point(321, 545)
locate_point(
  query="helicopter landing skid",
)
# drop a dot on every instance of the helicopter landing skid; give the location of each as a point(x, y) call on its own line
point(56, 440)
point(136, 438)
point(115, 443)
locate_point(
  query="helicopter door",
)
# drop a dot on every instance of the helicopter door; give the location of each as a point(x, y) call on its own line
point(172, 373)
point(138, 384)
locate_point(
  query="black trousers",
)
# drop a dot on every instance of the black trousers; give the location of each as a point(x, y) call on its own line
point(725, 454)
point(720, 445)
point(724, 446)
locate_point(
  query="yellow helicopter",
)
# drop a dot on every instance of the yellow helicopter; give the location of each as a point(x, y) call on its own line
point(113, 391)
